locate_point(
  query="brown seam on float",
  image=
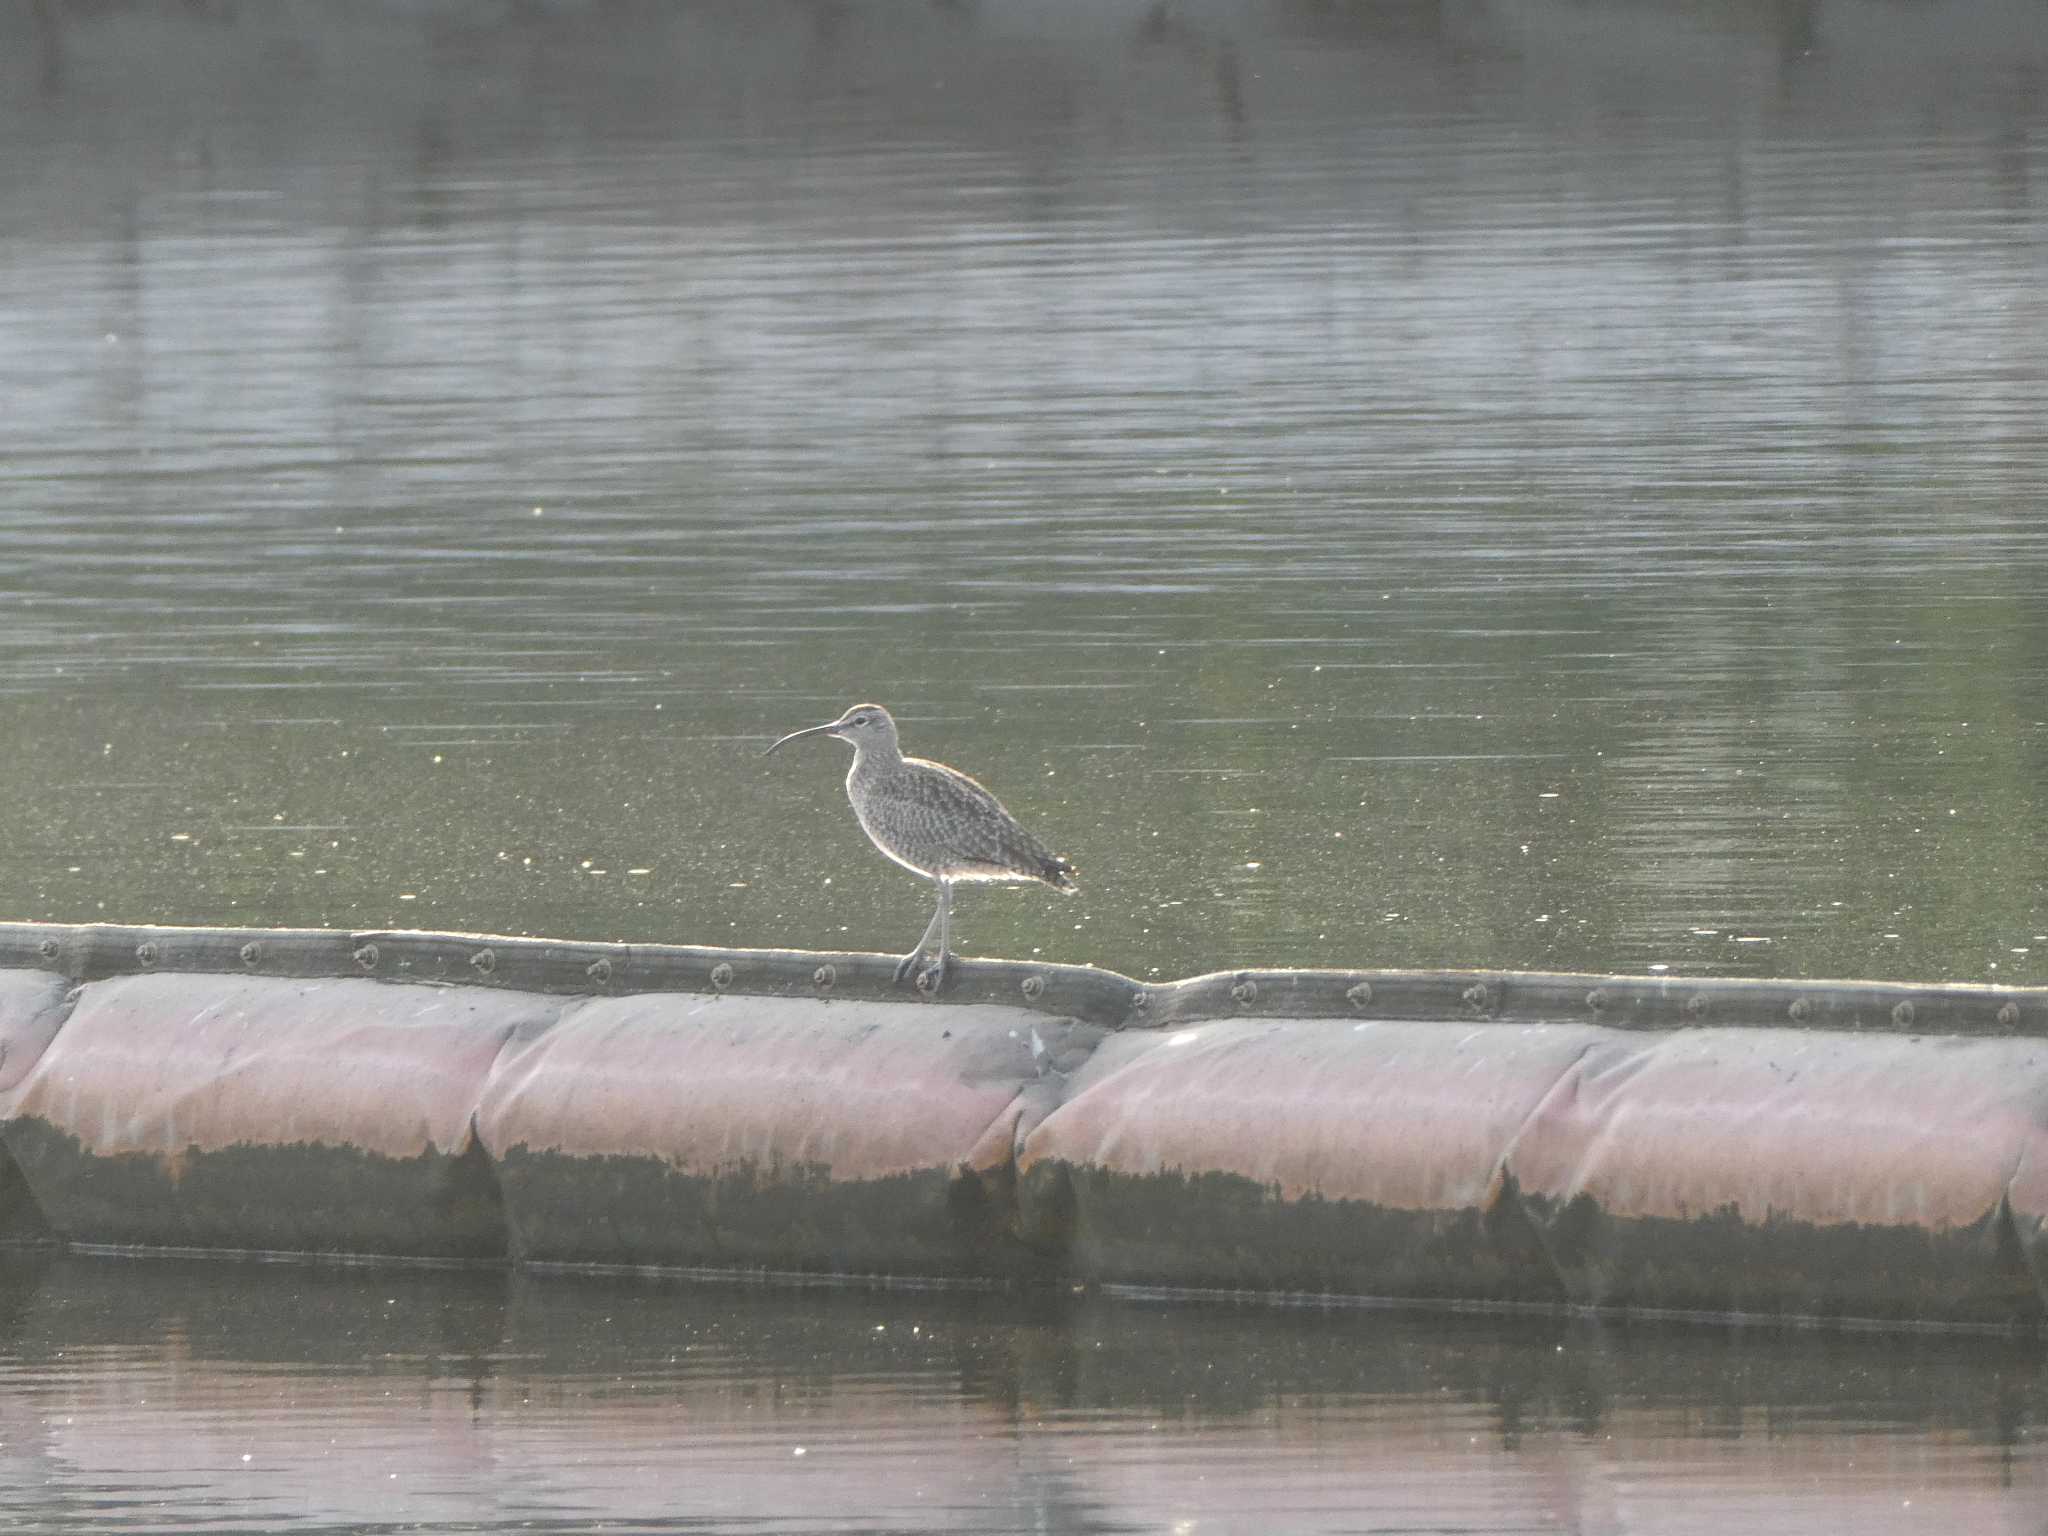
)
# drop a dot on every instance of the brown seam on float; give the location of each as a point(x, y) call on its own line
point(493, 1184)
point(62, 1009)
point(67, 1005)
point(512, 1040)
point(1047, 1093)
point(1504, 1172)
point(2029, 1250)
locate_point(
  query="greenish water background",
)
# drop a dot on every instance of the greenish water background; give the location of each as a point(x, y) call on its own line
point(1544, 486)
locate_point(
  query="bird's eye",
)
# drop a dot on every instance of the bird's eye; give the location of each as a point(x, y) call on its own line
point(861, 719)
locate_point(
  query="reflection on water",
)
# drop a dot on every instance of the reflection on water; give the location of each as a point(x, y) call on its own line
point(1547, 485)
point(162, 1395)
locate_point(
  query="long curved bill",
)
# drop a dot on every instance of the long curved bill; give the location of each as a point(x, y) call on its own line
point(809, 730)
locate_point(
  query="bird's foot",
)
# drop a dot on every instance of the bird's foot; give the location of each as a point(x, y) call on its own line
point(929, 980)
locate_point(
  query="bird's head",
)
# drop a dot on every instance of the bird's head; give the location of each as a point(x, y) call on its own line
point(867, 726)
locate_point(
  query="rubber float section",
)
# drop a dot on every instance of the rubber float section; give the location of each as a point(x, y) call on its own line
point(247, 1112)
point(760, 1132)
point(1718, 1168)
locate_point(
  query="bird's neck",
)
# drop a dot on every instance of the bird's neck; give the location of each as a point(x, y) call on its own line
point(881, 757)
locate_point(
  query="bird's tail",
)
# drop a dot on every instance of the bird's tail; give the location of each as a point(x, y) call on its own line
point(1058, 872)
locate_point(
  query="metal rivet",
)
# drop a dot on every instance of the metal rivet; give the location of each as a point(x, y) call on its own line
point(599, 970)
point(1034, 986)
point(1478, 996)
point(146, 952)
point(1697, 1005)
point(721, 975)
point(1246, 991)
point(1597, 999)
point(1801, 1009)
point(47, 948)
point(2009, 1015)
point(1902, 1016)
point(484, 961)
point(1359, 996)
point(366, 957)
point(824, 976)
point(251, 952)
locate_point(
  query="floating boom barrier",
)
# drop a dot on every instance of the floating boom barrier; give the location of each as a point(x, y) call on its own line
point(1835, 1150)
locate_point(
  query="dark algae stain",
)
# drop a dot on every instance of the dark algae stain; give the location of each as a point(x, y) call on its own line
point(795, 1215)
point(1054, 1221)
point(308, 1197)
point(1225, 1230)
point(1720, 1261)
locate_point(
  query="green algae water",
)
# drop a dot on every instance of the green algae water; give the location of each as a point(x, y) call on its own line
point(1559, 489)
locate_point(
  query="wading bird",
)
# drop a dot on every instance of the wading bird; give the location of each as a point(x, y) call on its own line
point(933, 820)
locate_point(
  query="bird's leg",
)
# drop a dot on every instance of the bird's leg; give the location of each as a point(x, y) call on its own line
point(904, 966)
point(938, 972)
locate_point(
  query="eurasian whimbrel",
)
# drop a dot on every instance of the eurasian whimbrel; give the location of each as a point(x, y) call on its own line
point(934, 820)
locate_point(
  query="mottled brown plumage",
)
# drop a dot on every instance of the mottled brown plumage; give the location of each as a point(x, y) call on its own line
point(933, 820)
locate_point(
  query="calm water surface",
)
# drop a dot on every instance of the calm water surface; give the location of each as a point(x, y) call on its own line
point(1542, 485)
point(1549, 486)
point(161, 1396)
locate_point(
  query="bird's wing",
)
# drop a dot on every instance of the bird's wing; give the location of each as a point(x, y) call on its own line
point(977, 829)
